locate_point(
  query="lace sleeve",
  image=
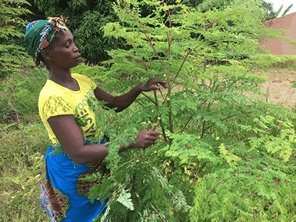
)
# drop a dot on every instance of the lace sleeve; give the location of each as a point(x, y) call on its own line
point(55, 106)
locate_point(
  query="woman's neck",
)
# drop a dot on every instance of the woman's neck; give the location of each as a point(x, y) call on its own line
point(60, 75)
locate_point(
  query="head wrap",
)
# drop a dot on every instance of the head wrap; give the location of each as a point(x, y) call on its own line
point(40, 33)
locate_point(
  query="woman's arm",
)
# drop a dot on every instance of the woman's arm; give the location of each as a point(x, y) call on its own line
point(124, 101)
point(72, 141)
point(119, 102)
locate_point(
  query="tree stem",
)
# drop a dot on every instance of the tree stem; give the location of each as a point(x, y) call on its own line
point(155, 97)
point(171, 127)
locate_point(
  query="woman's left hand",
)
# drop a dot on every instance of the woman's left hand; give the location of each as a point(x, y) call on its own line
point(152, 85)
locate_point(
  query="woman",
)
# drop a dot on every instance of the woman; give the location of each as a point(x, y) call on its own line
point(62, 99)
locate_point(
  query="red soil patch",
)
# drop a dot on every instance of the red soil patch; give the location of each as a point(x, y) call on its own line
point(278, 86)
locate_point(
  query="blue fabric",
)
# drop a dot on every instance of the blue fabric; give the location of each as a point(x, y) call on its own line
point(62, 173)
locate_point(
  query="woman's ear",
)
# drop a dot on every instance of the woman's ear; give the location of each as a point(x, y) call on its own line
point(46, 55)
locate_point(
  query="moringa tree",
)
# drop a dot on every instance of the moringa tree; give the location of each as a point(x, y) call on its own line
point(223, 153)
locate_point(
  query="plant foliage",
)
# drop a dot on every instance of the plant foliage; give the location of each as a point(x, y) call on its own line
point(12, 55)
point(223, 154)
point(86, 17)
point(285, 12)
point(20, 91)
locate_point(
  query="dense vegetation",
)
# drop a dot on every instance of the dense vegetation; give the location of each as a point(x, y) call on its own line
point(223, 153)
point(208, 57)
point(12, 54)
point(87, 17)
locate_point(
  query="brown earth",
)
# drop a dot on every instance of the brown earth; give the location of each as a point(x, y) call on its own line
point(278, 86)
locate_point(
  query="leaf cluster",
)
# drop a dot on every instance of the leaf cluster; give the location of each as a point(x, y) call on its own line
point(213, 126)
point(23, 88)
point(12, 55)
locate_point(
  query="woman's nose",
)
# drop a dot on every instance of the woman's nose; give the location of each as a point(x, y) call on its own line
point(75, 49)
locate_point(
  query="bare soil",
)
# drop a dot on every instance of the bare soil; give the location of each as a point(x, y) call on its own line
point(278, 86)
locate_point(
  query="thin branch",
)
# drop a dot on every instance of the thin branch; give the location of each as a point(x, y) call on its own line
point(181, 66)
point(160, 91)
point(192, 116)
point(140, 104)
point(149, 98)
point(170, 17)
point(186, 124)
point(204, 21)
point(155, 97)
point(275, 127)
point(150, 42)
point(250, 193)
point(184, 60)
point(190, 50)
point(164, 135)
point(220, 120)
point(255, 215)
point(204, 123)
point(164, 220)
point(202, 103)
point(203, 128)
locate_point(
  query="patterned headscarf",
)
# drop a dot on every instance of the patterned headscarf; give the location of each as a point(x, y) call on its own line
point(40, 33)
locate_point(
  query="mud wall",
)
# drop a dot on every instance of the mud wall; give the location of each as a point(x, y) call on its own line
point(276, 46)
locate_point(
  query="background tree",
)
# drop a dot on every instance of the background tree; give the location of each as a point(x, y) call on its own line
point(271, 13)
point(285, 12)
point(12, 52)
point(87, 17)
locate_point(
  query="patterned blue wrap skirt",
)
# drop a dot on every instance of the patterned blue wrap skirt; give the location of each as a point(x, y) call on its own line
point(63, 195)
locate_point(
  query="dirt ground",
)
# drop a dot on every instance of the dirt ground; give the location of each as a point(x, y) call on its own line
point(278, 86)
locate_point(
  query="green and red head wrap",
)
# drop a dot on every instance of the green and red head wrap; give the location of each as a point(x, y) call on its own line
point(40, 33)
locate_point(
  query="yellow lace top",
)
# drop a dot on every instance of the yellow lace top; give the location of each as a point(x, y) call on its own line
point(55, 100)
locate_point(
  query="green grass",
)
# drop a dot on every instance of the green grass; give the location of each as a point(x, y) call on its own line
point(20, 181)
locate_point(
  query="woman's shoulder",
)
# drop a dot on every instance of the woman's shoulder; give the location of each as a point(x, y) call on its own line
point(51, 93)
point(84, 79)
point(50, 89)
point(80, 77)
point(52, 97)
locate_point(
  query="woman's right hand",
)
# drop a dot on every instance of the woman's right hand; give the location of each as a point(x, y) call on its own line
point(146, 139)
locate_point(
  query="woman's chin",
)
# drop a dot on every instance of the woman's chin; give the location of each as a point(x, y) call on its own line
point(76, 64)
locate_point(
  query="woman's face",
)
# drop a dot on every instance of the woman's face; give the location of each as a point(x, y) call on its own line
point(64, 54)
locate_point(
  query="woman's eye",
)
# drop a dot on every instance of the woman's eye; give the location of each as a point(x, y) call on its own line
point(67, 46)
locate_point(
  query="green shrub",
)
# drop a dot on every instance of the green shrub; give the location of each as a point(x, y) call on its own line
point(12, 55)
point(211, 131)
point(221, 156)
point(22, 89)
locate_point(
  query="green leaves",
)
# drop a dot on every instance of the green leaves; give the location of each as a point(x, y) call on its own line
point(125, 200)
point(217, 136)
point(185, 146)
point(95, 177)
point(74, 4)
point(236, 192)
point(12, 56)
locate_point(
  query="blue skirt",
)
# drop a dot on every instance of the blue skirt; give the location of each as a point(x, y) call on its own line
point(63, 195)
